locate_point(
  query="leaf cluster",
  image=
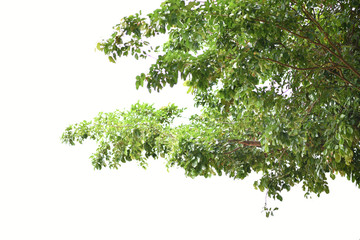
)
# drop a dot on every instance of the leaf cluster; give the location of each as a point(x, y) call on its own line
point(278, 83)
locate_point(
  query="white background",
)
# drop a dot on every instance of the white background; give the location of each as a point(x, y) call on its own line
point(51, 77)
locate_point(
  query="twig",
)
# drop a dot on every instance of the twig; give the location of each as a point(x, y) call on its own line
point(289, 66)
point(233, 150)
point(246, 143)
point(243, 143)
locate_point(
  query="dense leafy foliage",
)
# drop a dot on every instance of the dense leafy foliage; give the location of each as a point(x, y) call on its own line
point(278, 83)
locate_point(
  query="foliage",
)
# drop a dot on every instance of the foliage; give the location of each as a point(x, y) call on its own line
point(278, 83)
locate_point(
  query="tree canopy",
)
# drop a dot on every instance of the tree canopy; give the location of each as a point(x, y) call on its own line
point(278, 84)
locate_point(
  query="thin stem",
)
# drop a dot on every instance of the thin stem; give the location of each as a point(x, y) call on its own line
point(289, 66)
point(233, 150)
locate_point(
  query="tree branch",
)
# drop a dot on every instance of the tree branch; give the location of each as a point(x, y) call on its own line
point(233, 150)
point(243, 143)
point(246, 143)
point(289, 66)
point(347, 65)
point(331, 43)
point(309, 17)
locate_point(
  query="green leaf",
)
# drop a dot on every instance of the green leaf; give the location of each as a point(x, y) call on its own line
point(337, 157)
point(98, 46)
point(111, 59)
point(332, 176)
